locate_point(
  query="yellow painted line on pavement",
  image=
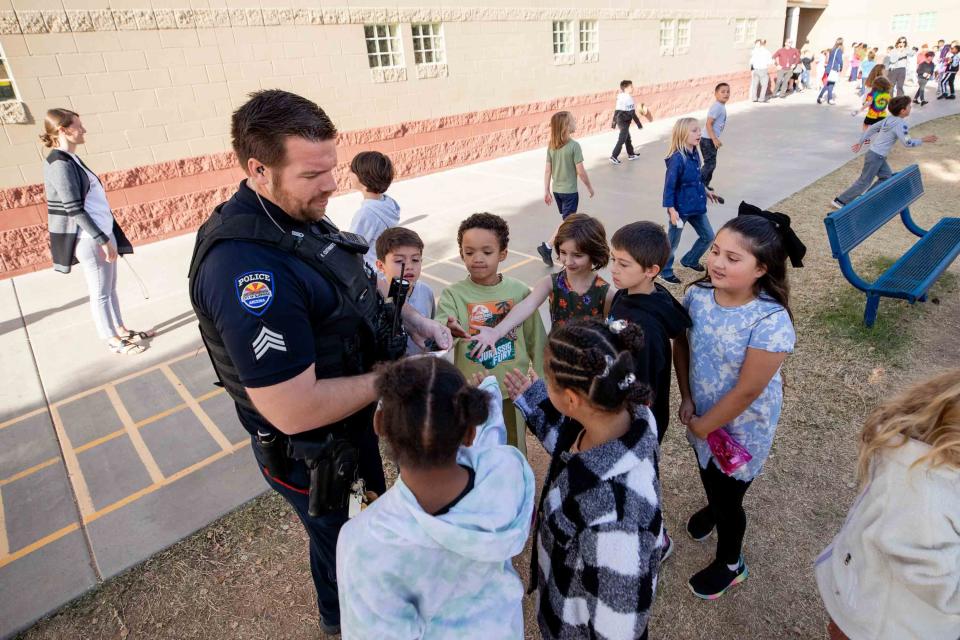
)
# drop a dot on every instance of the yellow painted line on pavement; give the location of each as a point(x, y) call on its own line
point(30, 471)
point(166, 481)
point(135, 438)
point(80, 489)
point(198, 411)
point(39, 544)
point(435, 278)
point(4, 543)
point(528, 260)
point(30, 414)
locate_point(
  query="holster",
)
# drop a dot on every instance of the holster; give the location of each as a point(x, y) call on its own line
point(333, 462)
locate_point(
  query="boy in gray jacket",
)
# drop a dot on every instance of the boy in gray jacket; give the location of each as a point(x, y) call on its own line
point(881, 136)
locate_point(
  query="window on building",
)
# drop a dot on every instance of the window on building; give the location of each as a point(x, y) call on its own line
point(900, 22)
point(927, 21)
point(740, 31)
point(428, 43)
point(751, 30)
point(562, 36)
point(589, 40)
point(668, 30)
point(383, 45)
point(8, 90)
point(683, 34)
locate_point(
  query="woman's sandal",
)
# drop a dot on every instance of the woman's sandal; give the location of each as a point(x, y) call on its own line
point(140, 335)
point(125, 347)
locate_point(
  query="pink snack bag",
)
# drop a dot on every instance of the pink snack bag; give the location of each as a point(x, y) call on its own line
point(729, 454)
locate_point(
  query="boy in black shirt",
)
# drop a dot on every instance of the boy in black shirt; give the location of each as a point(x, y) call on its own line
point(924, 73)
point(639, 252)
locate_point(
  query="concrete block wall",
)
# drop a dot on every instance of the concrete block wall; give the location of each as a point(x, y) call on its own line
point(156, 85)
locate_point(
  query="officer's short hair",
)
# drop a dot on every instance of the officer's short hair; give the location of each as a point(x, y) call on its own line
point(373, 169)
point(487, 221)
point(396, 237)
point(260, 127)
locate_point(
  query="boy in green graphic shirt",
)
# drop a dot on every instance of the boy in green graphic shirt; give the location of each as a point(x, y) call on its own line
point(482, 300)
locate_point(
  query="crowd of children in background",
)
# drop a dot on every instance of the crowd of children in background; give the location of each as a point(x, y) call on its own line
point(432, 557)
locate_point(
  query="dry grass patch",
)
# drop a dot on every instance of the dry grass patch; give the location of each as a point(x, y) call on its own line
point(247, 575)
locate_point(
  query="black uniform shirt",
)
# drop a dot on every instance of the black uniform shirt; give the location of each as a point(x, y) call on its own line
point(264, 303)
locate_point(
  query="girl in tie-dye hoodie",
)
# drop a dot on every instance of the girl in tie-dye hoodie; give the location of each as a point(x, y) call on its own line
point(431, 558)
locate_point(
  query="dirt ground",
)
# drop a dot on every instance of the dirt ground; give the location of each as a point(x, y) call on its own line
point(247, 575)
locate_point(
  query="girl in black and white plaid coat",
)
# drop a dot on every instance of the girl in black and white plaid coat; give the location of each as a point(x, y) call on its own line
point(599, 527)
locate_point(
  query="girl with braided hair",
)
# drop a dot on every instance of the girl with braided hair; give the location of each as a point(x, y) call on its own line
point(431, 558)
point(599, 527)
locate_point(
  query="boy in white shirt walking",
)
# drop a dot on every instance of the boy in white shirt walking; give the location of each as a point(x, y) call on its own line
point(624, 114)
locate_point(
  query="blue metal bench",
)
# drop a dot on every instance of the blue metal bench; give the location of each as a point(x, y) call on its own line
point(912, 275)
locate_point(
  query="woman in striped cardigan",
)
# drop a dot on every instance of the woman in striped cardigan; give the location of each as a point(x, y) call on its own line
point(83, 229)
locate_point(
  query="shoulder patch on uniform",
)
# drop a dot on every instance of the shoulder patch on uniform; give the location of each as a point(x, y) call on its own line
point(255, 291)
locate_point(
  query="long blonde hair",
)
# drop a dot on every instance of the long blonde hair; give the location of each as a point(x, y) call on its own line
point(928, 411)
point(55, 119)
point(681, 129)
point(560, 125)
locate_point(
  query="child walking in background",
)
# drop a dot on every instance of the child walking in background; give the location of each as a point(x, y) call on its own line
point(882, 135)
point(876, 102)
point(866, 67)
point(951, 66)
point(371, 173)
point(624, 114)
point(483, 299)
point(431, 558)
point(564, 166)
point(576, 291)
point(742, 332)
point(400, 255)
point(685, 196)
point(893, 569)
point(599, 529)
point(925, 72)
point(716, 121)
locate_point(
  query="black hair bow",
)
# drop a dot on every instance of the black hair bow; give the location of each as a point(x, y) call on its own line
point(795, 249)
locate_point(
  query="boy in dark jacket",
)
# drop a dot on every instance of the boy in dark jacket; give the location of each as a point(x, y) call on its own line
point(924, 73)
point(639, 251)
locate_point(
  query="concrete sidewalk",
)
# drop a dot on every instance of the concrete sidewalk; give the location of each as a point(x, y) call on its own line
point(106, 459)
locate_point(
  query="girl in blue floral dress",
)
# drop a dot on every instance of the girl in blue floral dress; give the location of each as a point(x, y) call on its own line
point(742, 332)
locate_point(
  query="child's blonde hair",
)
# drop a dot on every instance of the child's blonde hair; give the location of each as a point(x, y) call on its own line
point(681, 129)
point(928, 411)
point(560, 125)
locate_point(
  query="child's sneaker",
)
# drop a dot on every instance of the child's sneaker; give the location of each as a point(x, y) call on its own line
point(716, 579)
point(545, 254)
point(667, 547)
point(672, 279)
point(837, 204)
point(633, 156)
point(615, 160)
point(700, 524)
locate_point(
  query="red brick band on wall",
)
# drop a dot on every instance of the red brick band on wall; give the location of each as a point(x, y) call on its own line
point(158, 201)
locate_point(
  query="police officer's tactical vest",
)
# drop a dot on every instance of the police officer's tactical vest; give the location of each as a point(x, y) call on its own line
point(345, 339)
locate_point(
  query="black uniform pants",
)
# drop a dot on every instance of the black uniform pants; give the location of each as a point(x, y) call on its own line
point(324, 530)
point(725, 501)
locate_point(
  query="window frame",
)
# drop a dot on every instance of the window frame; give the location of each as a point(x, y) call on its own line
point(667, 26)
point(435, 38)
point(688, 24)
point(566, 31)
point(392, 39)
point(896, 27)
point(921, 26)
point(593, 31)
point(740, 31)
point(751, 31)
point(13, 82)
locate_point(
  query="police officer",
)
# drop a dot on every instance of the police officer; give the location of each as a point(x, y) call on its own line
point(292, 322)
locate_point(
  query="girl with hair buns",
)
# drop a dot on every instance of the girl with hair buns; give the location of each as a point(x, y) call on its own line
point(893, 569)
point(83, 229)
point(599, 527)
point(431, 558)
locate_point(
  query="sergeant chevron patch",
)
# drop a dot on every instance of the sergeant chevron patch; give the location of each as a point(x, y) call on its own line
point(267, 340)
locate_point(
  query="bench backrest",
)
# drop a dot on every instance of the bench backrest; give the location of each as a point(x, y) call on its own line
point(854, 223)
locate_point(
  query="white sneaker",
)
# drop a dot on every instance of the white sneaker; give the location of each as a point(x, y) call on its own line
point(837, 204)
point(615, 160)
point(633, 157)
